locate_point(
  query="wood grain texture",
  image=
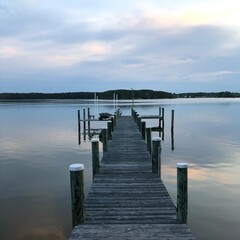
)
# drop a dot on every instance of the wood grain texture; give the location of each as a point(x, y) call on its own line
point(127, 200)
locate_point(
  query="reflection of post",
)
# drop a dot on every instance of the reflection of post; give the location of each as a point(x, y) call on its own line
point(172, 139)
point(182, 192)
point(79, 128)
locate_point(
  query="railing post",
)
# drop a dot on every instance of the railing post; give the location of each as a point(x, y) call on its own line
point(143, 128)
point(182, 192)
point(104, 139)
point(109, 125)
point(95, 157)
point(77, 193)
point(149, 140)
point(156, 155)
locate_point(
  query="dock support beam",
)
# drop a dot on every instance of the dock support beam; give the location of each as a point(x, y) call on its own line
point(95, 157)
point(77, 193)
point(156, 155)
point(182, 192)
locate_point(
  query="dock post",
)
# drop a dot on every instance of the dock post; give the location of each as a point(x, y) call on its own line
point(143, 128)
point(79, 127)
point(156, 155)
point(137, 116)
point(109, 125)
point(115, 120)
point(172, 121)
point(77, 193)
point(182, 192)
point(84, 119)
point(95, 157)
point(149, 138)
point(112, 123)
point(89, 118)
point(104, 139)
point(163, 119)
point(160, 115)
point(139, 123)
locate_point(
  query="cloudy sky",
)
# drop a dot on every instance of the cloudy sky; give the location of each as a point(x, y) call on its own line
point(95, 45)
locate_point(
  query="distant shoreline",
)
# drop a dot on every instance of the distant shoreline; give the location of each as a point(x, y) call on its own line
point(119, 94)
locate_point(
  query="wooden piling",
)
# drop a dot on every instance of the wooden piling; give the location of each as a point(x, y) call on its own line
point(139, 123)
point(156, 151)
point(115, 120)
point(163, 116)
point(104, 139)
point(172, 121)
point(160, 114)
point(77, 193)
point(84, 119)
point(95, 157)
point(112, 123)
point(79, 127)
point(143, 129)
point(149, 139)
point(89, 118)
point(182, 192)
point(109, 126)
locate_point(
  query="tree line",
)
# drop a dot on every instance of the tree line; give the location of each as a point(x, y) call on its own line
point(121, 94)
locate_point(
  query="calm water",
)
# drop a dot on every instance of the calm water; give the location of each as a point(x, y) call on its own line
point(39, 141)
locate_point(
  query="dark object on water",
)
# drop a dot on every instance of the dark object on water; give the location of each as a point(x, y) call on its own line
point(104, 116)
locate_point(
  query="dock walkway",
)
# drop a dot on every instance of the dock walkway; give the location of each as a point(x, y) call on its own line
point(127, 200)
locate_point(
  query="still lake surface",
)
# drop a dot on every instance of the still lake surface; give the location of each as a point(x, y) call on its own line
point(39, 140)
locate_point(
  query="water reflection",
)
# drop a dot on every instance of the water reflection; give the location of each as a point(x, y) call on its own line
point(40, 140)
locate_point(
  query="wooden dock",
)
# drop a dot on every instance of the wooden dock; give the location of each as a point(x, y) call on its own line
point(127, 200)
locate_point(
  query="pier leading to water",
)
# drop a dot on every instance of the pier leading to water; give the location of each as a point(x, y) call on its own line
point(127, 200)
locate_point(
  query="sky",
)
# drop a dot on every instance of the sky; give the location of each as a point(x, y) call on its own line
point(92, 45)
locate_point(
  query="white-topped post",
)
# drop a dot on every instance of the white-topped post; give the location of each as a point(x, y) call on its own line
point(95, 157)
point(77, 193)
point(182, 192)
point(156, 155)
